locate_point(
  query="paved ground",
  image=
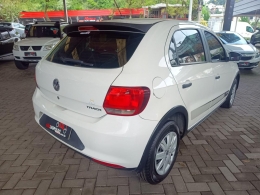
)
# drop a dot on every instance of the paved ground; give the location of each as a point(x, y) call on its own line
point(221, 156)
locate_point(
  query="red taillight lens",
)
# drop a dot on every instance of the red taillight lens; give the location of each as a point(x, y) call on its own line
point(126, 101)
point(107, 164)
point(86, 28)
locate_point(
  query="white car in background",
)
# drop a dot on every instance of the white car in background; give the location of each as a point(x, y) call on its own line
point(18, 29)
point(250, 56)
point(40, 39)
point(124, 92)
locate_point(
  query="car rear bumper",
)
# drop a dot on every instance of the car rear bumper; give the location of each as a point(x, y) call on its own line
point(20, 56)
point(111, 139)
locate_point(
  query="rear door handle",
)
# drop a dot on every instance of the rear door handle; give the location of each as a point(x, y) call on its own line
point(217, 77)
point(186, 85)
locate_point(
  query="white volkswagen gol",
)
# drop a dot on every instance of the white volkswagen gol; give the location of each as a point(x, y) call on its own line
point(124, 92)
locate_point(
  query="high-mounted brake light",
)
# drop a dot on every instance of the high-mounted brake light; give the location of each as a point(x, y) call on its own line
point(126, 101)
point(86, 28)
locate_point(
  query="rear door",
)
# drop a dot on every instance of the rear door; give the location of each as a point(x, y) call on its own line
point(222, 69)
point(77, 74)
point(192, 72)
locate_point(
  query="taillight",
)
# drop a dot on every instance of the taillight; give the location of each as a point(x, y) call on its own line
point(126, 101)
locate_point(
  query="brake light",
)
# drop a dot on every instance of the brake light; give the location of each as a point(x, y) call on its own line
point(86, 28)
point(108, 164)
point(126, 101)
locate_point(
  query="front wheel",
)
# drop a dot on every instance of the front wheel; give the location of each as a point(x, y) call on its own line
point(231, 96)
point(162, 154)
point(21, 65)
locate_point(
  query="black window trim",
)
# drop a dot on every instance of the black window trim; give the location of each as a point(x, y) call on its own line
point(208, 50)
point(192, 63)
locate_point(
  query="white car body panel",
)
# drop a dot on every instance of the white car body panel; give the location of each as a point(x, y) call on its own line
point(110, 138)
point(80, 88)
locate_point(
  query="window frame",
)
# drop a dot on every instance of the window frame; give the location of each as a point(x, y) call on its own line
point(191, 63)
point(208, 49)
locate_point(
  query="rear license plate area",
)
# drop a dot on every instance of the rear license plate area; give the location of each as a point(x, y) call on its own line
point(61, 131)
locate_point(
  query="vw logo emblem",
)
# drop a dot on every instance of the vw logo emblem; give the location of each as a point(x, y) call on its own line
point(56, 84)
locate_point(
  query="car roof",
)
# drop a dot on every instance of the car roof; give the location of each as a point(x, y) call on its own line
point(140, 25)
point(231, 32)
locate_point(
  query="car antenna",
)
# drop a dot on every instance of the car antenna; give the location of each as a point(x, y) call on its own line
point(118, 8)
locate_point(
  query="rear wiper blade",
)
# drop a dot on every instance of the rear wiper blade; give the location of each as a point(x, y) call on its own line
point(76, 61)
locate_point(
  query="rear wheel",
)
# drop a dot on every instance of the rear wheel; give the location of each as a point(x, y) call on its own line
point(231, 96)
point(21, 65)
point(162, 153)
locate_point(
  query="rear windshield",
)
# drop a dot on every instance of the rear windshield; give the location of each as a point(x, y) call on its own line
point(43, 31)
point(96, 49)
point(232, 39)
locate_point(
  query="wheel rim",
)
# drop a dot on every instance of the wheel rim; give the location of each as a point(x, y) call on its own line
point(233, 94)
point(165, 153)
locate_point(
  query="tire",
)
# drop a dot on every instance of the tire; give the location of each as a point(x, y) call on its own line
point(153, 172)
point(231, 96)
point(21, 65)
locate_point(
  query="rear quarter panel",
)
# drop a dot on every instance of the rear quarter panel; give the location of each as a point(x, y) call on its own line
point(148, 67)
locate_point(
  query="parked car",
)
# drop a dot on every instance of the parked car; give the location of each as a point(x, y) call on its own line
point(255, 39)
point(234, 42)
point(40, 39)
point(6, 42)
point(124, 92)
point(18, 29)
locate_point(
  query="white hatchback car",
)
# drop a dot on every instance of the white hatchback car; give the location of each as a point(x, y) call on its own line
point(124, 92)
point(40, 39)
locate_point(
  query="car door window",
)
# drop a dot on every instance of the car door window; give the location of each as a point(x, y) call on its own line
point(217, 52)
point(189, 47)
point(249, 29)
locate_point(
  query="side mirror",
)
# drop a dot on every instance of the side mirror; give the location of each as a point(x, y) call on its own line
point(233, 56)
point(257, 28)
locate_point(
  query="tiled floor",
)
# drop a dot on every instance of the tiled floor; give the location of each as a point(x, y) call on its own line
point(221, 156)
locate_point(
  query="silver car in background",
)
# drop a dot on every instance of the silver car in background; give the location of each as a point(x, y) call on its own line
point(18, 29)
point(232, 41)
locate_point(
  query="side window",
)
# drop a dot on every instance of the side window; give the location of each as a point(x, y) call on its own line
point(249, 29)
point(217, 52)
point(189, 46)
